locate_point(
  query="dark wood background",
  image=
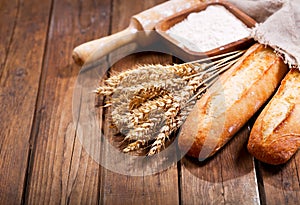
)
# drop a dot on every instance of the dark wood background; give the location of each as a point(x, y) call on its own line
point(41, 158)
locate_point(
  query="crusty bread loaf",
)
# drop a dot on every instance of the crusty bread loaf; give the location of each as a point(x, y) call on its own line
point(275, 136)
point(231, 102)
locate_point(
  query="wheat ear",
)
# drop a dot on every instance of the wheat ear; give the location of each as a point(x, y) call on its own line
point(151, 101)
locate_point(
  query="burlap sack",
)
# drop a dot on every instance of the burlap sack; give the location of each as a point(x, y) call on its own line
point(278, 27)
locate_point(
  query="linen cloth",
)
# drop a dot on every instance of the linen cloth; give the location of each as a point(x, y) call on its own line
point(278, 25)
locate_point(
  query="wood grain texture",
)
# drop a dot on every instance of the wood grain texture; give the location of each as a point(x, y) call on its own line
point(23, 34)
point(281, 183)
point(62, 172)
point(123, 11)
point(226, 178)
point(42, 160)
point(9, 11)
point(83, 183)
point(161, 188)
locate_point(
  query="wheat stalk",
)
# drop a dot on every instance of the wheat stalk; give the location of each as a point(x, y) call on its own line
point(150, 102)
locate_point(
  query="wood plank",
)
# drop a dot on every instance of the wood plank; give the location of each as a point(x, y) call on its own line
point(23, 34)
point(62, 172)
point(226, 178)
point(123, 11)
point(281, 183)
point(8, 19)
point(161, 188)
point(83, 182)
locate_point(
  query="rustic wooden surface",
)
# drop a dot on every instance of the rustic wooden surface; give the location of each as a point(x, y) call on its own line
point(41, 158)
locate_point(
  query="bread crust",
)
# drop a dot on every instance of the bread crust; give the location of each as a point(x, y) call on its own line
point(231, 102)
point(275, 136)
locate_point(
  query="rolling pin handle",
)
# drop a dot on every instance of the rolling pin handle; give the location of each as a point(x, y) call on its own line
point(84, 52)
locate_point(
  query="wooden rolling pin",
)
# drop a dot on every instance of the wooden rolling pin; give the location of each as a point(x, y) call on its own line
point(143, 21)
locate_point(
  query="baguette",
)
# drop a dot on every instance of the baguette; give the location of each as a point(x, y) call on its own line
point(231, 102)
point(275, 136)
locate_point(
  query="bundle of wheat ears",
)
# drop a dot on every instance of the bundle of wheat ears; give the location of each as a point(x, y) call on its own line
point(150, 102)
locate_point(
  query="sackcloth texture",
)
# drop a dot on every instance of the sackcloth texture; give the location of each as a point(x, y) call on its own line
point(278, 25)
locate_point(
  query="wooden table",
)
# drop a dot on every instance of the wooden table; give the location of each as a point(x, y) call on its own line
point(41, 159)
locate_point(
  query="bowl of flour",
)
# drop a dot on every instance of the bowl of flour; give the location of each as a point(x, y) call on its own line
point(208, 29)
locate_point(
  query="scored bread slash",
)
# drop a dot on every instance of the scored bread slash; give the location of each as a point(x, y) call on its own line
point(275, 136)
point(231, 102)
point(150, 102)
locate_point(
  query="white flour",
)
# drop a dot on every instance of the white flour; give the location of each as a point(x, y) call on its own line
point(211, 28)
